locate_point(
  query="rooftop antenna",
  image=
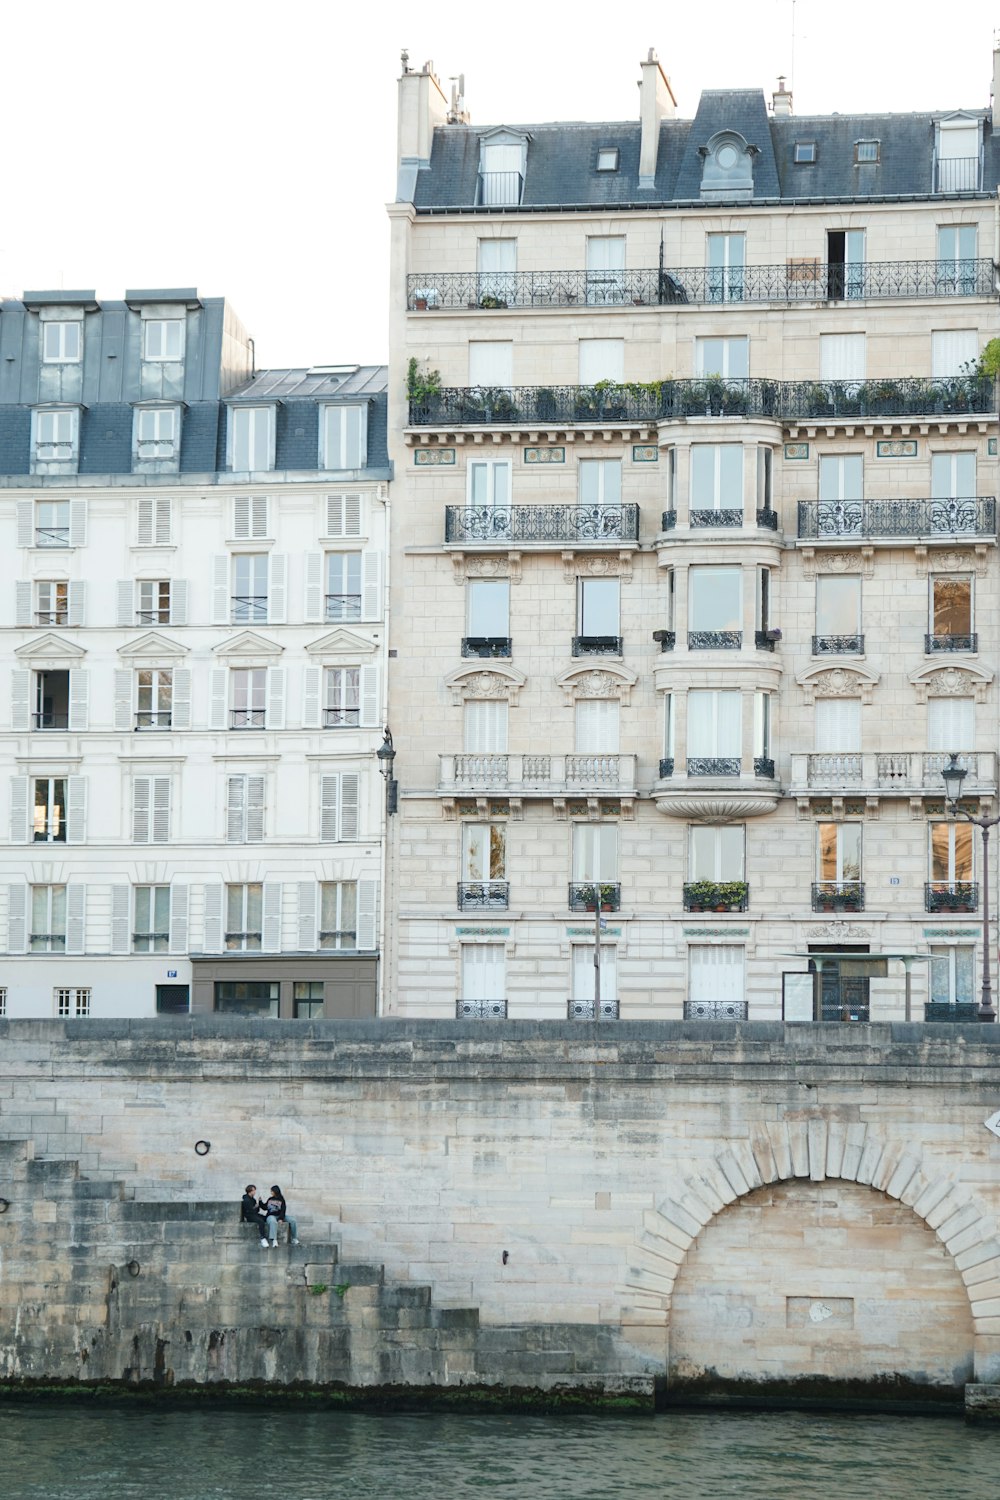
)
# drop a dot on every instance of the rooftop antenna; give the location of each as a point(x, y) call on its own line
point(404, 58)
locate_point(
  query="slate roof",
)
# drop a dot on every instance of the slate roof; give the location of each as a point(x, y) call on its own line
point(561, 159)
point(315, 383)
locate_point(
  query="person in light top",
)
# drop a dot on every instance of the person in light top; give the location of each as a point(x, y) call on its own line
point(276, 1211)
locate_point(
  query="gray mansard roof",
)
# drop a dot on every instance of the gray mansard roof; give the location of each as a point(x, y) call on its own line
point(562, 158)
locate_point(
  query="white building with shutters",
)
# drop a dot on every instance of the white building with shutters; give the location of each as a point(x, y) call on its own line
point(195, 663)
point(694, 575)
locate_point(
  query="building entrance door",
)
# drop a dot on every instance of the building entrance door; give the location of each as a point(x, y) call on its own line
point(845, 982)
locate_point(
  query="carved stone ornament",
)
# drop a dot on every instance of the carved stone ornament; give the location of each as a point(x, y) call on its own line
point(597, 682)
point(472, 683)
point(952, 560)
point(839, 562)
point(838, 682)
point(952, 682)
point(597, 565)
point(725, 807)
point(469, 565)
point(838, 932)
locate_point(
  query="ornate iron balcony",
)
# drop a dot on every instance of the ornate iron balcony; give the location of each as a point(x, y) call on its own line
point(941, 1010)
point(838, 645)
point(597, 645)
point(517, 524)
point(666, 638)
point(583, 1010)
point(766, 640)
point(957, 895)
point(719, 765)
point(481, 1010)
point(715, 640)
point(487, 646)
point(935, 643)
point(718, 518)
point(715, 1010)
point(804, 281)
point(763, 766)
point(666, 767)
point(668, 521)
point(584, 897)
point(717, 895)
point(768, 519)
point(831, 519)
point(838, 895)
point(483, 895)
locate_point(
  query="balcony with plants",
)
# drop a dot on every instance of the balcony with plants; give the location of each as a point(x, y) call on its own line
point(584, 896)
point(838, 895)
point(717, 895)
point(951, 895)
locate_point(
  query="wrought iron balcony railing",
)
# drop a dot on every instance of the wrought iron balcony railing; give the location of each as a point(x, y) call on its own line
point(247, 718)
point(713, 765)
point(717, 895)
point(51, 536)
point(715, 1010)
point(343, 606)
point(801, 281)
point(488, 647)
point(958, 174)
point(481, 1010)
point(728, 516)
point(483, 895)
point(341, 718)
point(597, 645)
point(666, 767)
point(822, 520)
point(935, 643)
point(671, 400)
point(516, 525)
point(955, 895)
point(537, 775)
point(767, 519)
point(584, 1010)
point(838, 645)
point(763, 766)
point(248, 607)
point(941, 1010)
point(838, 895)
point(583, 896)
point(153, 719)
point(715, 640)
point(889, 772)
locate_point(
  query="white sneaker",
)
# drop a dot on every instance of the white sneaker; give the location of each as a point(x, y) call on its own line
point(264, 1243)
point(296, 1242)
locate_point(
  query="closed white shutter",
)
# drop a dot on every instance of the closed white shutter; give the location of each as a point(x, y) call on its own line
point(951, 724)
point(123, 699)
point(161, 809)
point(951, 349)
point(179, 905)
point(842, 356)
point(78, 695)
point(271, 919)
point(220, 589)
point(308, 893)
point(144, 523)
point(255, 809)
point(329, 815)
point(22, 603)
point(76, 809)
point(276, 588)
point(121, 910)
point(217, 706)
point(491, 363)
point(25, 510)
point(369, 716)
point(715, 974)
point(150, 809)
point(213, 917)
point(20, 699)
point(241, 517)
point(258, 516)
point(78, 523)
point(276, 698)
point(153, 526)
point(181, 705)
point(583, 972)
point(371, 586)
point(350, 788)
point(161, 525)
point(179, 601)
point(838, 725)
point(484, 971)
point(236, 809)
point(312, 679)
point(367, 915)
point(314, 587)
point(601, 359)
point(486, 727)
point(19, 788)
point(597, 726)
point(141, 794)
point(343, 514)
point(76, 917)
point(17, 918)
point(76, 593)
point(124, 602)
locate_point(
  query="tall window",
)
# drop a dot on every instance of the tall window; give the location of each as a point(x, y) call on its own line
point(343, 586)
point(838, 725)
point(951, 853)
point(838, 852)
point(600, 481)
point(956, 259)
point(486, 727)
point(496, 264)
point(252, 441)
point(598, 608)
point(489, 482)
point(597, 726)
point(841, 476)
point(715, 979)
point(602, 359)
point(156, 432)
point(605, 269)
point(726, 256)
point(151, 928)
point(249, 685)
point(951, 608)
point(953, 475)
point(163, 339)
point(56, 438)
point(953, 975)
point(715, 603)
point(715, 729)
point(501, 171)
point(729, 357)
point(838, 612)
point(52, 523)
point(154, 697)
point(342, 706)
point(952, 351)
point(716, 476)
point(716, 853)
point(153, 601)
point(62, 343)
point(484, 971)
point(49, 813)
point(48, 919)
point(345, 437)
point(244, 920)
point(595, 852)
point(487, 609)
point(491, 363)
point(582, 977)
point(338, 914)
point(842, 356)
point(249, 600)
point(484, 852)
point(765, 469)
point(951, 724)
point(51, 603)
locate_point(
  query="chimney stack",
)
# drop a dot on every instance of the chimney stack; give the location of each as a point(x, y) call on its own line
point(421, 106)
point(996, 79)
point(656, 103)
point(781, 100)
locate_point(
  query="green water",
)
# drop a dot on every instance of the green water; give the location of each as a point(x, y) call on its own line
point(86, 1453)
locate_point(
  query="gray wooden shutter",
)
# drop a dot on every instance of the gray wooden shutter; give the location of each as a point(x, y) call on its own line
point(76, 592)
point(180, 714)
point(161, 809)
point(271, 924)
point(277, 579)
point(276, 698)
point(20, 786)
point(121, 906)
point(220, 589)
point(241, 517)
point(76, 809)
point(17, 918)
point(20, 699)
point(217, 707)
point(314, 587)
point(312, 679)
point(255, 809)
point(369, 717)
point(79, 680)
point(123, 698)
point(25, 523)
point(329, 816)
point(179, 900)
point(144, 523)
point(213, 917)
point(76, 917)
point(125, 602)
point(78, 523)
point(162, 508)
point(349, 809)
point(258, 516)
point(367, 914)
point(179, 601)
point(22, 603)
point(236, 804)
point(141, 797)
point(371, 585)
point(308, 902)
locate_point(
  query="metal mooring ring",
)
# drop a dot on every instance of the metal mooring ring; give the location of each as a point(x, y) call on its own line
point(203, 1147)
point(133, 1268)
point(4, 1205)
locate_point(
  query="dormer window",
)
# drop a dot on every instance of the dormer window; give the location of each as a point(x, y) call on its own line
point(55, 440)
point(163, 339)
point(805, 153)
point(957, 155)
point(866, 153)
point(502, 158)
point(607, 159)
point(62, 343)
point(727, 166)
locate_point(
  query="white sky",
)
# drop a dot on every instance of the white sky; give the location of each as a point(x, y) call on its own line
point(249, 149)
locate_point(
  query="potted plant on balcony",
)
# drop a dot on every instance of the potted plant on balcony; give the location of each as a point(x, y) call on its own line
point(587, 894)
point(545, 403)
point(489, 303)
point(845, 897)
point(957, 897)
point(716, 895)
point(423, 388)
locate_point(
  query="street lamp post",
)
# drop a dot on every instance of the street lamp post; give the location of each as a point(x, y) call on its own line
point(953, 775)
point(386, 755)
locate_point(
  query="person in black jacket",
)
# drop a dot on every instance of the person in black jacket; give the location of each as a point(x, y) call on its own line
point(252, 1212)
point(276, 1211)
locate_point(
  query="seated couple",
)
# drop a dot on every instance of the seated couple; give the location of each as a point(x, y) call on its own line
point(266, 1214)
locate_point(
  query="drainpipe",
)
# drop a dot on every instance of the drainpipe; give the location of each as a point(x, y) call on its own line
point(386, 822)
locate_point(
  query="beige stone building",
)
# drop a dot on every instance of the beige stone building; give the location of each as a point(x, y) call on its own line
point(693, 573)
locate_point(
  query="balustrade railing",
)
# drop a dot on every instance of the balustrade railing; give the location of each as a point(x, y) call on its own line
point(974, 515)
point(801, 281)
point(519, 524)
point(538, 774)
point(902, 771)
point(786, 401)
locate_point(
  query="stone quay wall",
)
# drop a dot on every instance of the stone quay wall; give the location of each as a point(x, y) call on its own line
point(707, 1209)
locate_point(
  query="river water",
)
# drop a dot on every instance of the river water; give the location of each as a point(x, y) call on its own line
point(118, 1453)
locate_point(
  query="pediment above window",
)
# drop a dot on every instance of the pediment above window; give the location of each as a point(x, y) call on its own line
point(967, 681)
point(501, 683)
point(152, 644)
point(49, 645)
point(727, 166)
point(838, 682)
point(248, 644)
point(609, 681)
point(342, 643)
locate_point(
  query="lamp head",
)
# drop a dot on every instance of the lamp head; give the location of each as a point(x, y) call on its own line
point(386, 754)
point(953, 776)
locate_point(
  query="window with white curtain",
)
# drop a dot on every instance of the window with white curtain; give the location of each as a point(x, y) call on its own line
point(597, 726)
point(486, 727)
point(714, 723)
point(951, 350)
point(602, 359)
point(841, 356)
point(716, 852)
point(595, 852)
point(715, 975)
point(951, 724)
point(583, 971)
point(491, 363)
point(953, 972)
point(496, 265)
point(838, 725)
point(605, 269)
